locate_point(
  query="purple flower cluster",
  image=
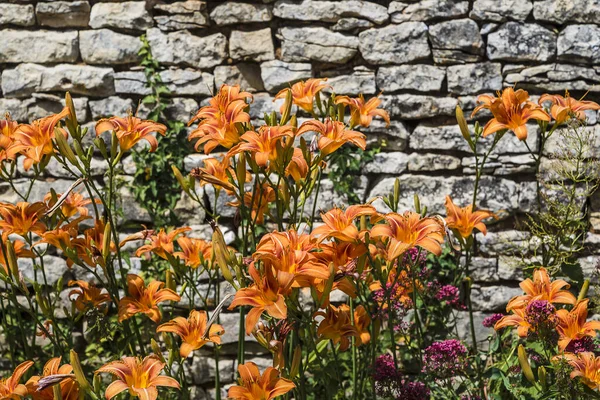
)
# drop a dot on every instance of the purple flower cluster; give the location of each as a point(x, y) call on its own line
point(384, 368)
point(584, 344)
point(490, 321)
point(412, 256)
point(540, 314)
point(445, 359)
point(410, 390)
point(451, 295)
point(399, 306)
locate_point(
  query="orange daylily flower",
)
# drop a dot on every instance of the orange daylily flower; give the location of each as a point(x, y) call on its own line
point(511, 110)
point(73, 204)
point(20, 252)
point(541, 288)
point(573, 325)
point(339, 224)
point(69, 388)
point(408, 230)
point(192, 331)
point(254, 386)
point(263, 144)
point(144, 299)
point(87, 295)
point(463, 219)
point(193, 252)
point(564, 108)
point(517, 318)
point(37, 137)
point(264, 294)
point(22, 218)
point(130, 130)
point(217, 173)
point(362, 113)
point(219, 120)
point(10, 388)
point(303, 94)
point(337, 326)
point(140, 377)
point(332, 135)
point(161, 243)
point(586, 366)
point(258, 203)
point(9, 146)
point(297, 167)
point(362, 320)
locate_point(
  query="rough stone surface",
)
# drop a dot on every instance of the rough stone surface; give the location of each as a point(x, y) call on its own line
point(247, 75)
point(456, 41)
point(408, 106)
point(426, 10)
point(110, 106)
point(189, 14)
point(432, 162)
point(361, 80)
point(62, 14)
point(186, 49)
point(104, 46)
point(230, 13)
point(351, 24)
point(277, 74)
point(39, 46)
point(17, 14)
point(254, 45)
point(420, 77)
point(562, 11)
point(501, 11)
point(130, 15)
point(330, 11)
point(474, 78)
point(521, 42)
point(317, 44)
point(580, 43)
point(387, 163)
point(395, 44)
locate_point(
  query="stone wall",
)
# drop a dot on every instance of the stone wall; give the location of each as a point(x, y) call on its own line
point(425, 56)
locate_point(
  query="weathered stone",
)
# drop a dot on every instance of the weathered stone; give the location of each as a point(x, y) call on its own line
point(264, 103)
point(449, 137)
point(42, 105)
point(246, 75)
point(492, 298)
point(98, 168)
point(456, 41)
point(187, 49)
point(521, 42)
point(203, 370)
point(188, 210)
point(330, 11)
point(188, 82)
point(432, 162)
point(553, 77)
point(387, 163)
point(572, 48)
point(38, 46)
point(420, 77)
point(110, 106)
point(231, 13)
point(278, 74)
point(55, 268)
point(132, 211)
point(131, 82)
point(38, 191)
point(494, 194)
point(562, 11)
point(17, 14)
point(501, 11)
point(130, 15)
point(362, 80)
point(63, 14)
point(395, 44)
point(396, 134)
point(482, 333)
point(15, 107)
point(351, 24)
point(510, 268)
point(505, 243)
point(409, 106)
point(104, 46)
point(25, 79)
point(317, 44)
point(426, 10)
point(254, 45)
point(328, 197)
point(189, 14)
point(483, 269)
point(181, 109)
point(474, 78)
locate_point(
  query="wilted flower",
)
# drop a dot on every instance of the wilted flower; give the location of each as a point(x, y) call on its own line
point(69, 388)
point(140, 377)
point(130, 130)
point(144, 299)
point(445, 359)
point(511, 109)
point(193, 331)
point(362, 113)
point(254, 386)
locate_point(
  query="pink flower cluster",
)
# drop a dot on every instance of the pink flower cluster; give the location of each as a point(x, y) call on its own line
point(445, 359)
